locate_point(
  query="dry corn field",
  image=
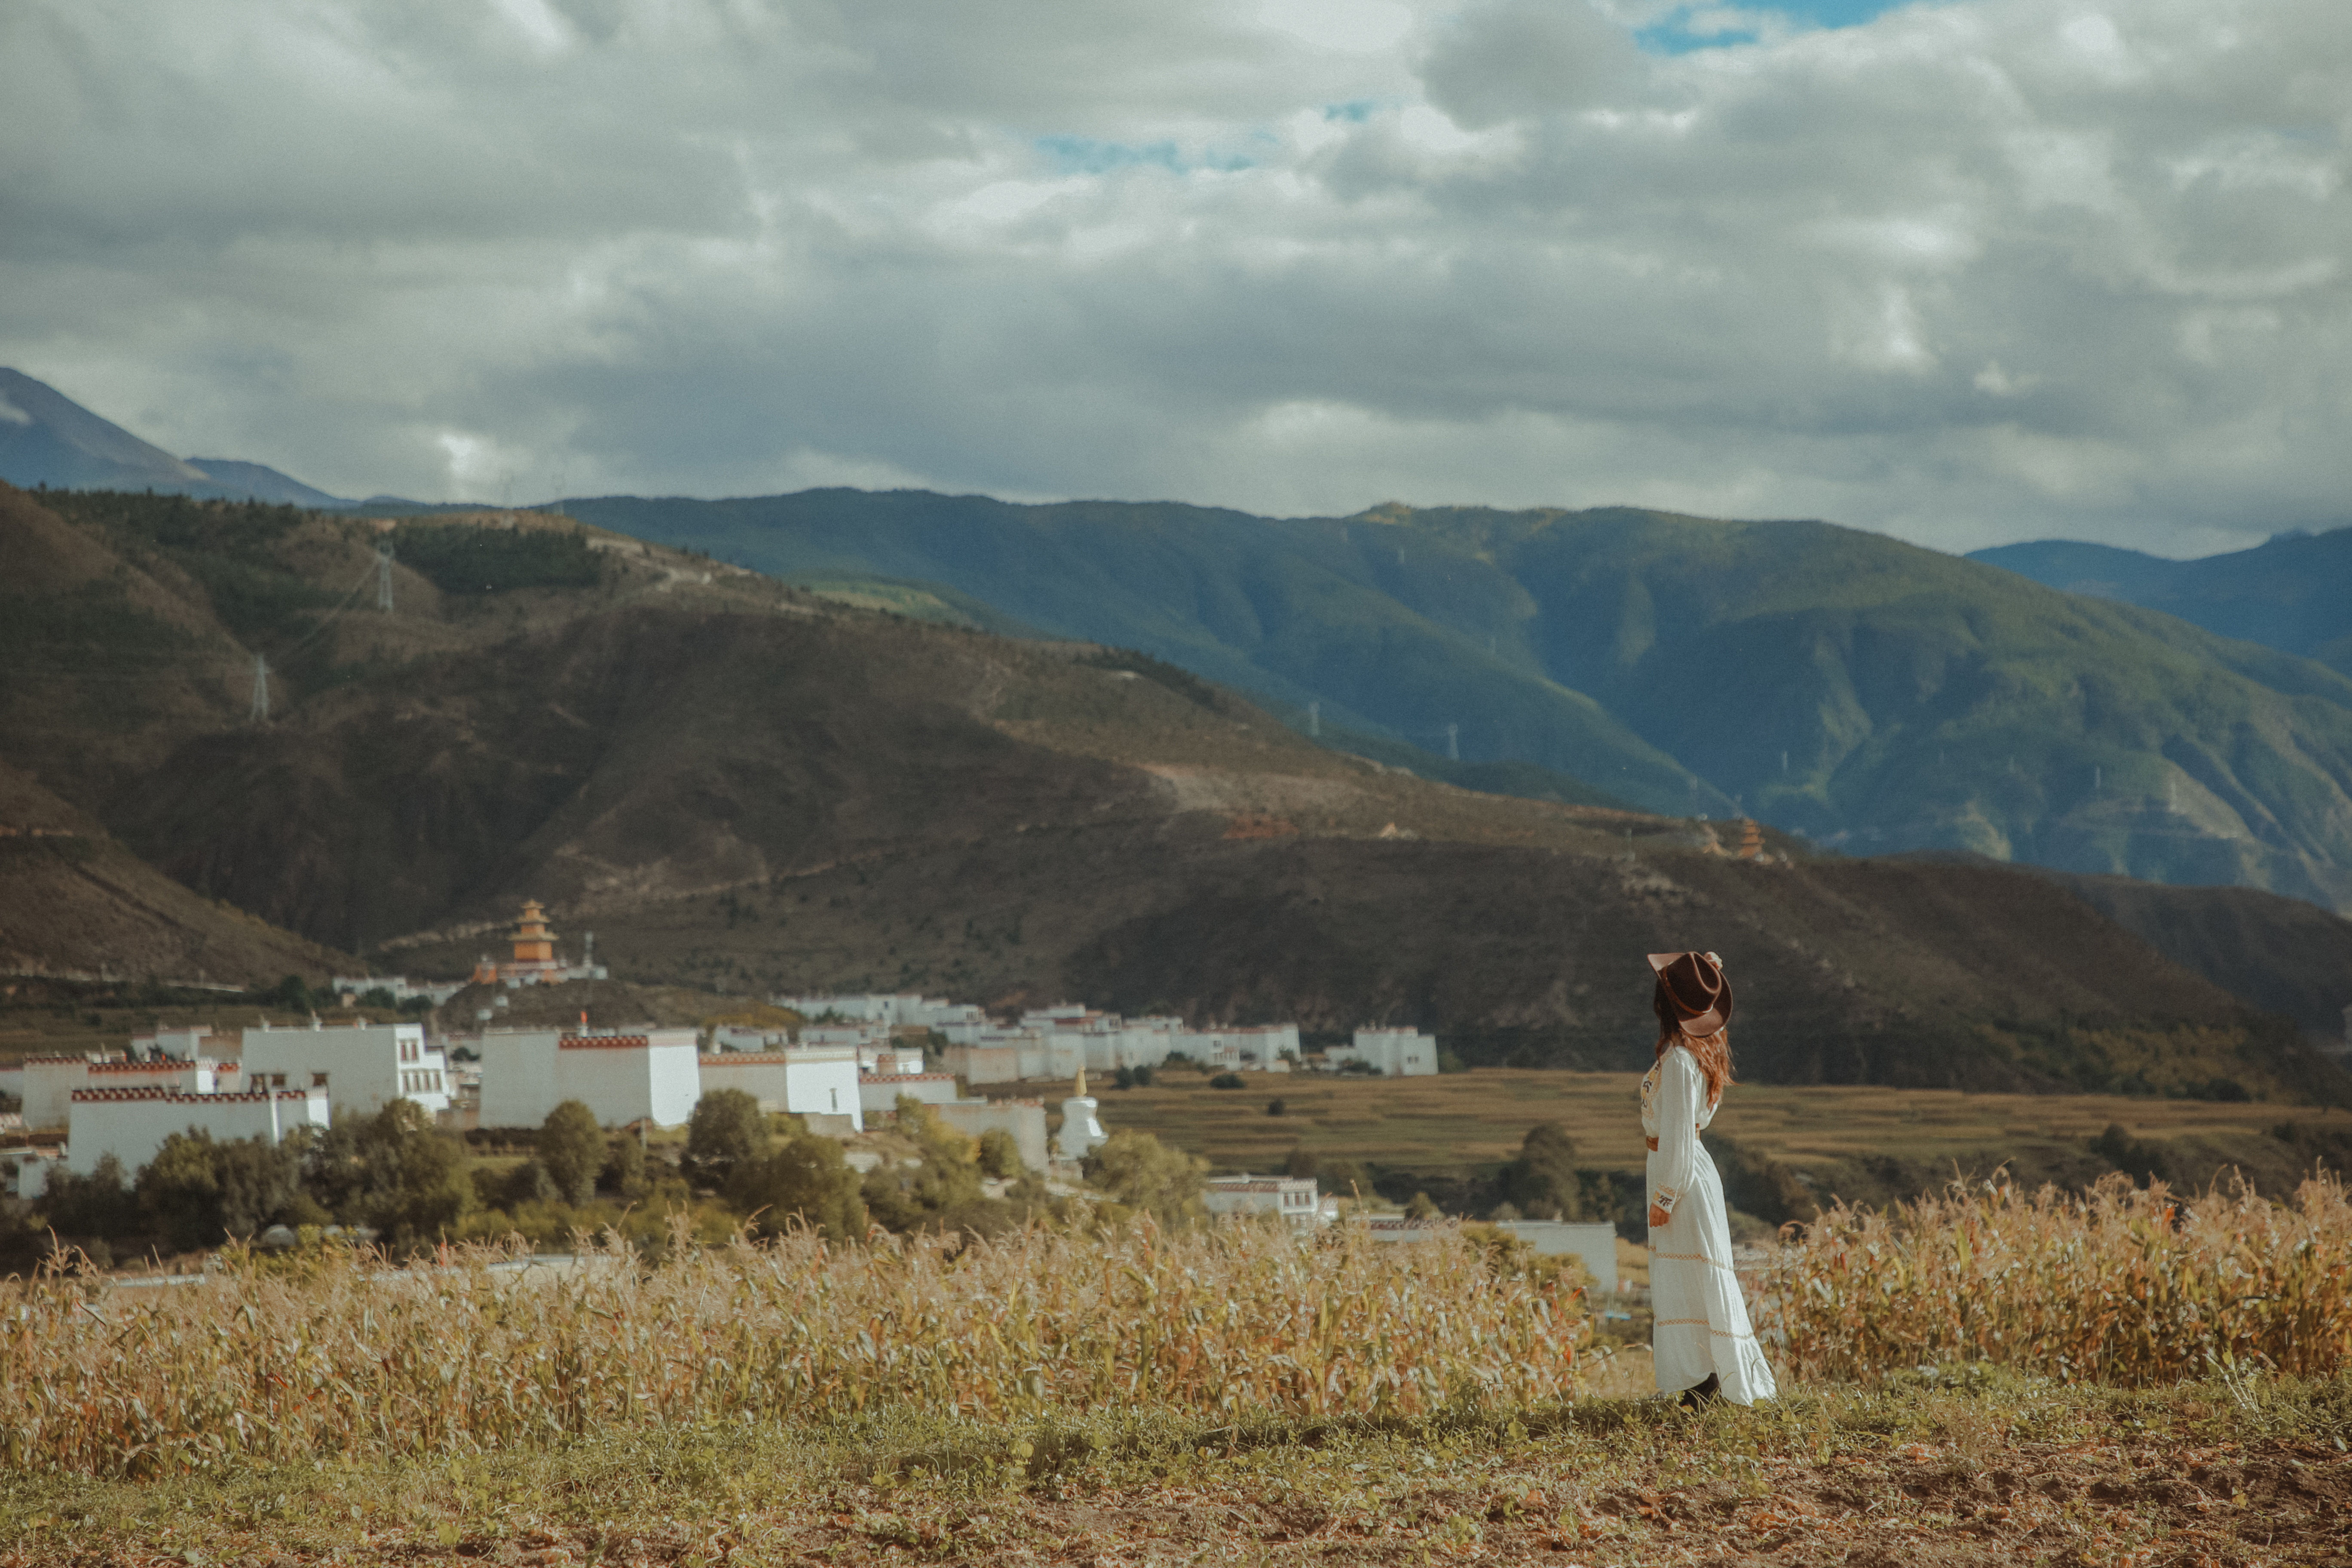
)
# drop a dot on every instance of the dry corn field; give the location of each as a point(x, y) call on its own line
point(2123, 1286)
point(349, 1359)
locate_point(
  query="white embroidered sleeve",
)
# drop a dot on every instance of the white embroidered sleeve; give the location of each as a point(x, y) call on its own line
point(1681, 1091)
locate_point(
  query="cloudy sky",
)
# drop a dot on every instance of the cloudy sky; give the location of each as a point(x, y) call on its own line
point(1965, 272)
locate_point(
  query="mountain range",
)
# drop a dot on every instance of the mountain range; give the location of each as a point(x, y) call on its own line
point(2294, 592)
point(1866, 693)
point(48, 439)
point(737, 783)
point(2041, 704)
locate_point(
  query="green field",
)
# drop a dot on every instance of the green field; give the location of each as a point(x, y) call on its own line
point(1458, 1120)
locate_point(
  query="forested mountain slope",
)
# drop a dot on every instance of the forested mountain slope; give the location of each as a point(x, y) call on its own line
point(1840, 684)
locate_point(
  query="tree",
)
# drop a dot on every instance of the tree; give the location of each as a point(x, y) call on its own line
point(624, 1174)
point(1000, 1156)
point(571, 1146)
point(1276, 1107)
point(942, 1192)
point(805, 1179)
point(1545, 1183)
point(728, 1129)
point(1301, 1162)
point(1139, 1171)
point(1421, 1207)
point(97, 1204)
point(199, 1193)
point(394, 1172)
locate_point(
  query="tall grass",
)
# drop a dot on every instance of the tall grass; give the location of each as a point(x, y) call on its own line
point(347, 1359)
point(2118, 1285)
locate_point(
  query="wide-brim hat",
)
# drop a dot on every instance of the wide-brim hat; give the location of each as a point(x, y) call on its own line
point(1694, 994)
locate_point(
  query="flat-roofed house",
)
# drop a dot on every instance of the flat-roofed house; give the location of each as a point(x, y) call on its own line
point(621, 1074)
point(1292, 1198)
point(362, 1067)
point(802, 1080)
point(132, 1123)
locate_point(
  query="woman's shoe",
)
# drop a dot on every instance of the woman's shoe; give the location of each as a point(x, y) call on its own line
point(1705, 1394)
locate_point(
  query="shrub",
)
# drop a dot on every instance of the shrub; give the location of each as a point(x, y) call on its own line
point(623, 1173)
point(1142, 1175)
point(571, 1146)
point(198, 1192)
point(806, 1180)
point(392, 1172)
point(1276, 1107)
point(728, 1129)
point(97, 1204)
point(1227, 1081)
point(1000, 1154)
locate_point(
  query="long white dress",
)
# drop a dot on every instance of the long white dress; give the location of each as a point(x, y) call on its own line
point(1702, 1321)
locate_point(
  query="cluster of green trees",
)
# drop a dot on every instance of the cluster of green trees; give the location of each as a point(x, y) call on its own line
point(396, 1178)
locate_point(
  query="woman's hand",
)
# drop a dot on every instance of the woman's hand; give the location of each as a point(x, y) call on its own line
point(1658, 1217)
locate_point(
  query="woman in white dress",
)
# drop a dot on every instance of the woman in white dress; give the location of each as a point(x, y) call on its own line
point(1702, 1342)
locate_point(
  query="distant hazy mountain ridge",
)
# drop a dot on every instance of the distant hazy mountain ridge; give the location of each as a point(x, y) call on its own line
point(48, 439)
point(2293, 592)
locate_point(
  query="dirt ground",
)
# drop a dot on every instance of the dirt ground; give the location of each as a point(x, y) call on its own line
point(1656, 1487)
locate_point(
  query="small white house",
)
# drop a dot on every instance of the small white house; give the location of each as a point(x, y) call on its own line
point(362, 1067)
point(1397, 1053)
point(805, 1081)
point(647, 1075)
point(132, 1123)
point(1292, 1197)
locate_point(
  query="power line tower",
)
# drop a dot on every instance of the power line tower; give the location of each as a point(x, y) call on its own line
point(1314, 720)
point(1453, 742)
point(260, 714)
point(384, 578)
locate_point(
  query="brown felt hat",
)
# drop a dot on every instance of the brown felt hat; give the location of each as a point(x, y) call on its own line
point(1693, 993)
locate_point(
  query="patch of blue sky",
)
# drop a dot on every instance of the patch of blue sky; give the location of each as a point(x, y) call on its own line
point(1705, 27)
point(1087, 155)
point(1355, 111)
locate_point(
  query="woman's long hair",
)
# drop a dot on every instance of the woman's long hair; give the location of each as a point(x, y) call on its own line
point(1713, 1051)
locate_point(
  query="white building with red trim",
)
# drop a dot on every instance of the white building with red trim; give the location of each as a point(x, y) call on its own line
point(801, 1080)
point(47, 1084)
point(361, 1067)
point(621, 1075)
point(132, 1123)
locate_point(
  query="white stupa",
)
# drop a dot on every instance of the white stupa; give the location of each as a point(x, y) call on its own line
point(1081, 1133)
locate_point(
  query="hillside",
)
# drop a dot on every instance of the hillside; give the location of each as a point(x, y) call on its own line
point(2294, 592)
point(1840, 684)
point(737, 784)
point(74, 902)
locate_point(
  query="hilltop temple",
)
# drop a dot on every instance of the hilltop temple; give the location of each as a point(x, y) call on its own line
point(534, 961)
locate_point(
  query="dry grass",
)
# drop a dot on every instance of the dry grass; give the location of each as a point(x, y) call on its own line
point(2121, 1286)
point(345, 1359)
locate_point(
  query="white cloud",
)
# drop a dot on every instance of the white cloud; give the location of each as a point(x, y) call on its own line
point(1975, 270)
